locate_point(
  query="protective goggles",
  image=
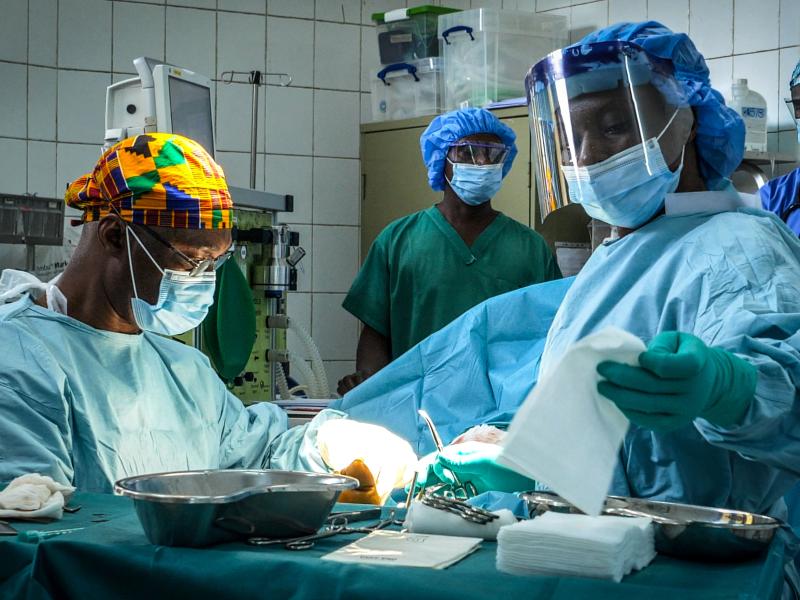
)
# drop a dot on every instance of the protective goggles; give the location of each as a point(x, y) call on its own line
point(589, 103)
point(478, 153)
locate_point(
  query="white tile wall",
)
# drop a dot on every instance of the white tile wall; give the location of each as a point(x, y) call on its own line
point(672, 13)
point(337, 200)
point(236, 166)
point(340, 11)
point(711, 25)
point(587, 18)
point(81, 106)
point(291, 8)
point(370, 57)
point(336, 56)
point(42, 32)
point(42, 94)
point(290, 49)
point(14, 31)
point(240, 42)
point(790, 23)
point(13, 166)
point(234, 110)
point(755, 24)
point(188, 44)
point(721, 74)
point(250, 6)
point(194, 3)
point(77, 49)
point(291, 175)
point(138, 31)
point(13, 99)
point(289, 135)
point(42, 178)
point(336, 118)
point(626, 10)
point(335, 258)
point(335, 331)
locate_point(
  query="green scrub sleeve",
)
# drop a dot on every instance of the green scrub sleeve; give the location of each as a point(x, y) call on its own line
point(369, 297)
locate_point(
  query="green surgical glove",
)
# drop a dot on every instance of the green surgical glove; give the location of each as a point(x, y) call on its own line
point(474, 462)
point(680, 379)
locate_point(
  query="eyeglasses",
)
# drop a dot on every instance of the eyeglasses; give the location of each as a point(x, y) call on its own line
point(198, 266)
point(478, 153)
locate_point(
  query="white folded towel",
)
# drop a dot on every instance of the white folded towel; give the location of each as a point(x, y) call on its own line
point(34, 496)
point(426, 519)
point(576, 545)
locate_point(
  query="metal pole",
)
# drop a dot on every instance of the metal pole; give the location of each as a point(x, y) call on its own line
point(255, 80)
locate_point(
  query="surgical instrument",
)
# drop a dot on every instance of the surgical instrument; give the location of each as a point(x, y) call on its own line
point(466, 511)
point(468, 489)
point(335, 527)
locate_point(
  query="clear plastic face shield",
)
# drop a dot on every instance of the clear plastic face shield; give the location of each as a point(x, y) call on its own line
point(793, 106)
point(606, 119)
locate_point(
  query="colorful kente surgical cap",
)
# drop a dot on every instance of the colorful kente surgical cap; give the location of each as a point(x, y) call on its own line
point(159, 179)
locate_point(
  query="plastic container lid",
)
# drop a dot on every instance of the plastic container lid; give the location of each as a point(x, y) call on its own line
point(380, 17)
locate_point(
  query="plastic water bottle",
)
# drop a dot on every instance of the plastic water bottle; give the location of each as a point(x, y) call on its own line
point(753, 109)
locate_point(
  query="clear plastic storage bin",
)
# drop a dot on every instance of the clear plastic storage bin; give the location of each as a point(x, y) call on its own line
point(487, 52)
point(406, 90)
point(408, 33)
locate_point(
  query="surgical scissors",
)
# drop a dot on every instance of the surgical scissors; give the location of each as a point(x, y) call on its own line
point(337, 526)
point(467, 489)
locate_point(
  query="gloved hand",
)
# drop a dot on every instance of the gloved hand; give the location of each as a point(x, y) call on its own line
point(388, 458)
point(680, 379)
point(472, 462)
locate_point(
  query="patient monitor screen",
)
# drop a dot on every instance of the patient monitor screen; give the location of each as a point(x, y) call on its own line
point(190, 110)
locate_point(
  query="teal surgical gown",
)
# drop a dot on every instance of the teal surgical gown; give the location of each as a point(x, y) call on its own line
point(89, 407)
point(733, 280)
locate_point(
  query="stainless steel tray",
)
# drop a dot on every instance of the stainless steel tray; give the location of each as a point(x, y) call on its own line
point(200, 508)
point(683, 530)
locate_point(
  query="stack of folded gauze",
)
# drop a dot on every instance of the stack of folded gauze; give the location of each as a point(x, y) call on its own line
point(576, 545)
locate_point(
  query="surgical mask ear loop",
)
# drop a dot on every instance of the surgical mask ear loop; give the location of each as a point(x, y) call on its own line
point(128, 233)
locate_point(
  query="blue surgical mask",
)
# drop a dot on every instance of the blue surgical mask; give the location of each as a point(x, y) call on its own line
point(476, 184)
point(183, 300)
point(627, 189)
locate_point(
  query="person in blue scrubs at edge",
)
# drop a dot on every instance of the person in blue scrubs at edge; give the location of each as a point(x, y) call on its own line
point(428, 268)
point(628, 125)
point(782, 194)
point(91, 388)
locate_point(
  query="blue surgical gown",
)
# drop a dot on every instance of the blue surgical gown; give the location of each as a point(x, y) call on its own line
point(781, 193)
point(89, 407)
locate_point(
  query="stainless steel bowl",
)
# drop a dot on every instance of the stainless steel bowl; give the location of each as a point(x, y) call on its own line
point(201, 508)
point(683, 530)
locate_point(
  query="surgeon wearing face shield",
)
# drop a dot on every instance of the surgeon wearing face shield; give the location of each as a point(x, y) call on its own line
point(428, 268)
point(782, 194)
point(92, 390)
point(627, 124)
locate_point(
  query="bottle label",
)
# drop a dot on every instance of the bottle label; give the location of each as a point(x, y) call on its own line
point(751, 112)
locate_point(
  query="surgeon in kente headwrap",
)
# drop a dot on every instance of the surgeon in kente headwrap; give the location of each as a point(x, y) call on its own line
point(92, 390)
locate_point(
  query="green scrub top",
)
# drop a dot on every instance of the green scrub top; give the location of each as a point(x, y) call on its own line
point(420, 275)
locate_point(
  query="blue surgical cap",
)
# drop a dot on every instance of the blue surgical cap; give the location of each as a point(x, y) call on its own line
point(450, 127)
point(795, 79)
point(720, 130)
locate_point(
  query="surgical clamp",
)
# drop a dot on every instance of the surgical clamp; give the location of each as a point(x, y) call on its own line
point(467, 489)
point(337, 526)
